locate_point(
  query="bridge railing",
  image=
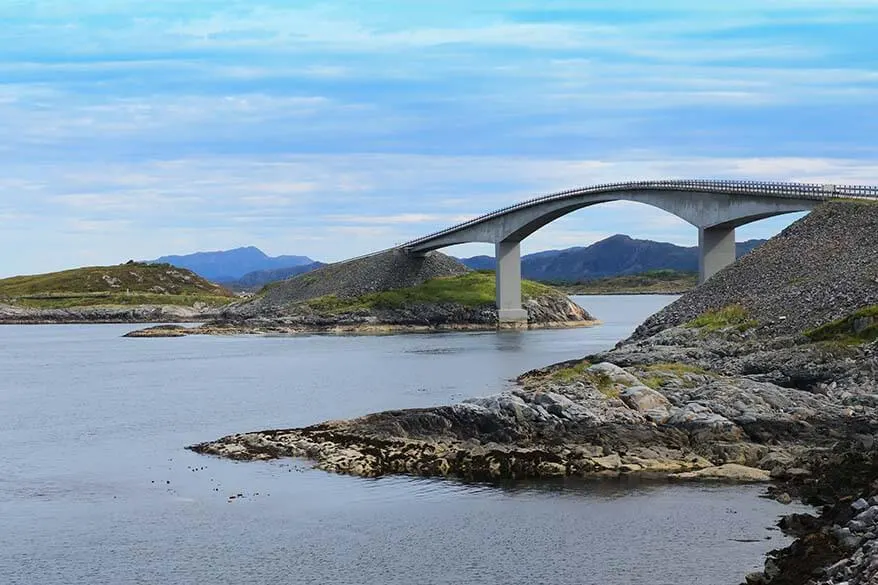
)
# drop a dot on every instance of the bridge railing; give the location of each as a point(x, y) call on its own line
point(760, 188)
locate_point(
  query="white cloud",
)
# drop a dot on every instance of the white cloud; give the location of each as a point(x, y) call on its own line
point(210, 203)
point(149, 127)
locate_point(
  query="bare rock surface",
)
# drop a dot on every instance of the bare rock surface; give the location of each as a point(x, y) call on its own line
point(727, 472)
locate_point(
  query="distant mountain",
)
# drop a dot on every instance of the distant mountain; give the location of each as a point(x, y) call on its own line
point(615, 256)
point(254, 281)
point(230, 265)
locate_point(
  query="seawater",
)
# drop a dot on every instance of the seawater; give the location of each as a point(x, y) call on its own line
point(96, 488)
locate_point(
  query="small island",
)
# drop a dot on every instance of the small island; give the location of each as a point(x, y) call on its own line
point(384, 293)
point(127, 293)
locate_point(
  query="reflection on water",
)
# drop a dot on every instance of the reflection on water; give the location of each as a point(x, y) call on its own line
point(96, 488)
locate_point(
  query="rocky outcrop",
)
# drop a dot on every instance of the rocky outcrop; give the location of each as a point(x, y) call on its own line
point(838, 546)
point(579, 419)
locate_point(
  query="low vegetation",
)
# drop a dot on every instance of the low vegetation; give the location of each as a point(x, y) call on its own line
point(656, 375)
point(731, 316)
point(473, 289)
point(676, 368)
point(126, 284)
point(570, 373)
point(652, 282)
point(580, 371)
point(861, 326)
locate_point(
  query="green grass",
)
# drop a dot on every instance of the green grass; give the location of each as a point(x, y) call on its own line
point(125, 284)
point(676, 369)
point(654, 382)
point(473, 289)
point(604, 384)
point(599, 380)
point(730, 316)
point(859, 327)
point(853, 200)
point(569, 374)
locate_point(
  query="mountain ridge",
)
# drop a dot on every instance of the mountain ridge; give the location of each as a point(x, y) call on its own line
point(230, 265)
point(618, 255)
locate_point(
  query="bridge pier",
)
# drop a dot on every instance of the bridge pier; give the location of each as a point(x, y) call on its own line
point(716, 250)
point(509, 311)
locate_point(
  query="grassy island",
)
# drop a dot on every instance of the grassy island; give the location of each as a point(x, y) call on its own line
point(128, 284)
point(473, 289)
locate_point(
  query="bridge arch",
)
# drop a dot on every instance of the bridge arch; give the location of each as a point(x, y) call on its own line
point(716, 208)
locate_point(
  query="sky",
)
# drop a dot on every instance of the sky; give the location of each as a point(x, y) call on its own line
point(139, 128)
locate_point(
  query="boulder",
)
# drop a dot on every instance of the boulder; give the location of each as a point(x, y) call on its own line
point(616, 374)
point(697, 415)
point(643, 399)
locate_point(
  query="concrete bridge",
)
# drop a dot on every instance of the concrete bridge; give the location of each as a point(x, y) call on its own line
point(716, 208)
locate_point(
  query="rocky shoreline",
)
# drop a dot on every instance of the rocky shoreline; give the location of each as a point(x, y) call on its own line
point(106, 314)
point(549, 311)
point(694, 418)
point(768, 372)
point(579, 419)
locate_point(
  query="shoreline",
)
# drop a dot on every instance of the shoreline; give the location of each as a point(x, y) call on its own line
point(362, 329)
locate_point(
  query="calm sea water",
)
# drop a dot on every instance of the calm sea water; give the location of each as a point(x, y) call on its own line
point(96, 488)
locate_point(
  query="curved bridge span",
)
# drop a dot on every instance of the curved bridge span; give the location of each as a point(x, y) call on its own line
point(716, 208)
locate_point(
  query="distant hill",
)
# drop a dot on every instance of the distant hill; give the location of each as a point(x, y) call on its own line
point(254, 281)
point(615, 256)
point(125, 284)
point(652, 282)
point(230, 265)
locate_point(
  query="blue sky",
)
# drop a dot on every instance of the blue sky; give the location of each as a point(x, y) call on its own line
point(138, 128)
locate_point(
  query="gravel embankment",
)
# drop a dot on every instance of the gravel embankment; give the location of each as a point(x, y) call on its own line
point(819, 269)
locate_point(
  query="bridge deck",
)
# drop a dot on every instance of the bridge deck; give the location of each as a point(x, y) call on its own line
point(774, 190)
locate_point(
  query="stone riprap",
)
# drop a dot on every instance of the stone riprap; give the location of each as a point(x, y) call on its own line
point(819, 269)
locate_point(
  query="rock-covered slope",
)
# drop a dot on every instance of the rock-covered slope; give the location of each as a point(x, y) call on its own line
point(821, 268)
point(255, 281)
point(382, 272)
